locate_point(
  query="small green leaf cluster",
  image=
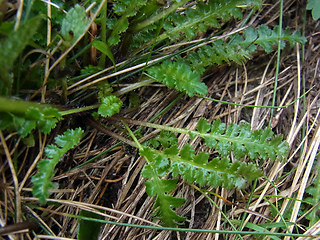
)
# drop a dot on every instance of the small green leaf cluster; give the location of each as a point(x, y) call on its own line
point(42, 180)
point(110, 105)
point(44, 119)
point(238, 140)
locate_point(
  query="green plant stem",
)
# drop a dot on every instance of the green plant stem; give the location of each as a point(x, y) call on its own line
point(79, 53)
point(304, 103)
point(103, 33)
point(159, 16)
point(248, 205)
point(78, 110)
point(276, 209)
point(18, 106)
point(278, 63)
point(282, 197)
point(255, 106)
point(187, 229)
point(133, 86)
point(204, 193)
point(176, 130)
point(132, 135)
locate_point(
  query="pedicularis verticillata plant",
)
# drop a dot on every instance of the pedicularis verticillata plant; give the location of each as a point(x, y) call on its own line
point(137, 30)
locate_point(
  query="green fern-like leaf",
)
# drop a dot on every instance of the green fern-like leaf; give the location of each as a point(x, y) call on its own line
point(185, 77)
point(42, 180)
point(179, 76)
point(110, 105)
point(194, 20)
point(202, 17)
point(240, 140)
point(146, 35)
point(240, 47)
point(218, 52)
point(160, 188)
point(199, 169)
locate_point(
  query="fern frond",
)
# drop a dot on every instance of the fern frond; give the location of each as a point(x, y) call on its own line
point(218, 52)
point(267, 38)
point(198, 169)
point(185, 77)
point(203, 16)
point(194, 20)
point(160, 188)
point(238, 139)
point(240, 47)
point(241, 141)
point(42, 180)
point(180, 76)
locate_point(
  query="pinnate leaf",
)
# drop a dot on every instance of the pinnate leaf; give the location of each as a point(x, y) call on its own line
point(204, 16)
point(178, 75)
point(242, 141)
point(240, 47)
point(42, 180)
point(124, 9)
point(216, 172)
point(199, 168)
point(160, 188)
